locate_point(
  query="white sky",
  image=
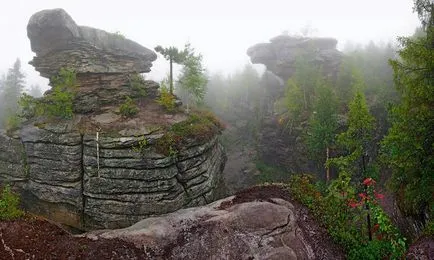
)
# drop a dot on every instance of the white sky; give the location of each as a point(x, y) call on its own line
point(221, 30)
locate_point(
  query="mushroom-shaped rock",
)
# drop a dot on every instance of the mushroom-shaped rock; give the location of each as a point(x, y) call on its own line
point(60, 43)
point(280, 53)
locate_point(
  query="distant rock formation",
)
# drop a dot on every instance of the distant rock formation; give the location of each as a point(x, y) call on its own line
point(279, 55)
point(100, 169)
point(275, 146)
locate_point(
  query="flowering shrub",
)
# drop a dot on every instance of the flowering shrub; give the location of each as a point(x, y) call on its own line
point(383, 229)
point(344, 214)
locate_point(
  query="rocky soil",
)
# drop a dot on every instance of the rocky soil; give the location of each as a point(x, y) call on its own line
point(35, 238)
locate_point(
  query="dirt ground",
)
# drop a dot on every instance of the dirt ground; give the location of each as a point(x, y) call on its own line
point(35, 238)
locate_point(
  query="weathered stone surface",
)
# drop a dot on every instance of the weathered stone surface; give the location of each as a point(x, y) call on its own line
point(280, 53)
point(99, 91)
point(60, 43)
point(12, 160)
point(106, 183)
point(145, 184)
point(250, 230)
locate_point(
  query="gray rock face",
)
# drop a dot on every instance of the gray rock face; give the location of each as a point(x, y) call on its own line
point(12, 160)
point(250, 230)
point(60, 43)
point(65, 176)
point(279, 55)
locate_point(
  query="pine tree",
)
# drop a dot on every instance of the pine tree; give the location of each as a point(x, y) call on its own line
point(357, 139)
point(13, 86)
point(409, 146)
point(173, 55)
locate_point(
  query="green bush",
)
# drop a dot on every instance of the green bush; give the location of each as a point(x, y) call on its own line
point(12, 122)
point(129, 108)
point(9, 202)
point(373, 250)
point(345, 217)
point(137, 82)
point(166, 99)
point(57, 104)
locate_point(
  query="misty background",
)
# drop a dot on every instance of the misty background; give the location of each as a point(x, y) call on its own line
point(222, 31)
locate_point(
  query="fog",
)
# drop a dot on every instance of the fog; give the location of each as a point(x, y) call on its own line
point(220, 30)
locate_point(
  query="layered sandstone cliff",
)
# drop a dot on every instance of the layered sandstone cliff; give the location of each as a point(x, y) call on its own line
point(101, 169)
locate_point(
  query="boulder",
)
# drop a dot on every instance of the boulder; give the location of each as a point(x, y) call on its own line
point(231, 228)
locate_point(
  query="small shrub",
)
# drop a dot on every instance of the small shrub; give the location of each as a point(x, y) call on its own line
point(137, 82)
point(142, 144)
point(12, 122)
point(373, 250)
point(30, 106)
point(59, 103)
point(129, 108)
point(9, 202)
point(166, 99)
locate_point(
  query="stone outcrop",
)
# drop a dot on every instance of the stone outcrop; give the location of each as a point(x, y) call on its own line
point(65, 176)
point(258, 229)
point(280, 54)
point(102, 169)
point(60, 43)
point(106, 64)
point(276, 146)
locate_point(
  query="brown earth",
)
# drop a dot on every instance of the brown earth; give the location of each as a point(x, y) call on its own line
point(36, 238)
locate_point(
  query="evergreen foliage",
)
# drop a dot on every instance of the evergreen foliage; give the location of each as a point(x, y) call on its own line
point(409, 146)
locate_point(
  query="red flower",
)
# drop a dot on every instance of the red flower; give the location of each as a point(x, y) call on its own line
point(353, 203)
point(363, 196)
point(378, 195)
point(369, 182)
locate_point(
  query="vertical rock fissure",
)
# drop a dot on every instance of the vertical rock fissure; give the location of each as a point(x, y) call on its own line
point(83, 199)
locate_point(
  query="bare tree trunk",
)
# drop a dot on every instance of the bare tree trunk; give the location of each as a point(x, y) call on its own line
point(171, 75)
point(368, 216)
point(327, 167)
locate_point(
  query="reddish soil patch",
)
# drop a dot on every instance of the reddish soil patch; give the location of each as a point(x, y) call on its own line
point(258, 193)
point(34, 238)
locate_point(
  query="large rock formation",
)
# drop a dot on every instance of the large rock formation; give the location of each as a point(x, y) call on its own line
point(276, 146)
point(101, 169)
point(257, 224)
point(280, 54)
point(60, 43)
